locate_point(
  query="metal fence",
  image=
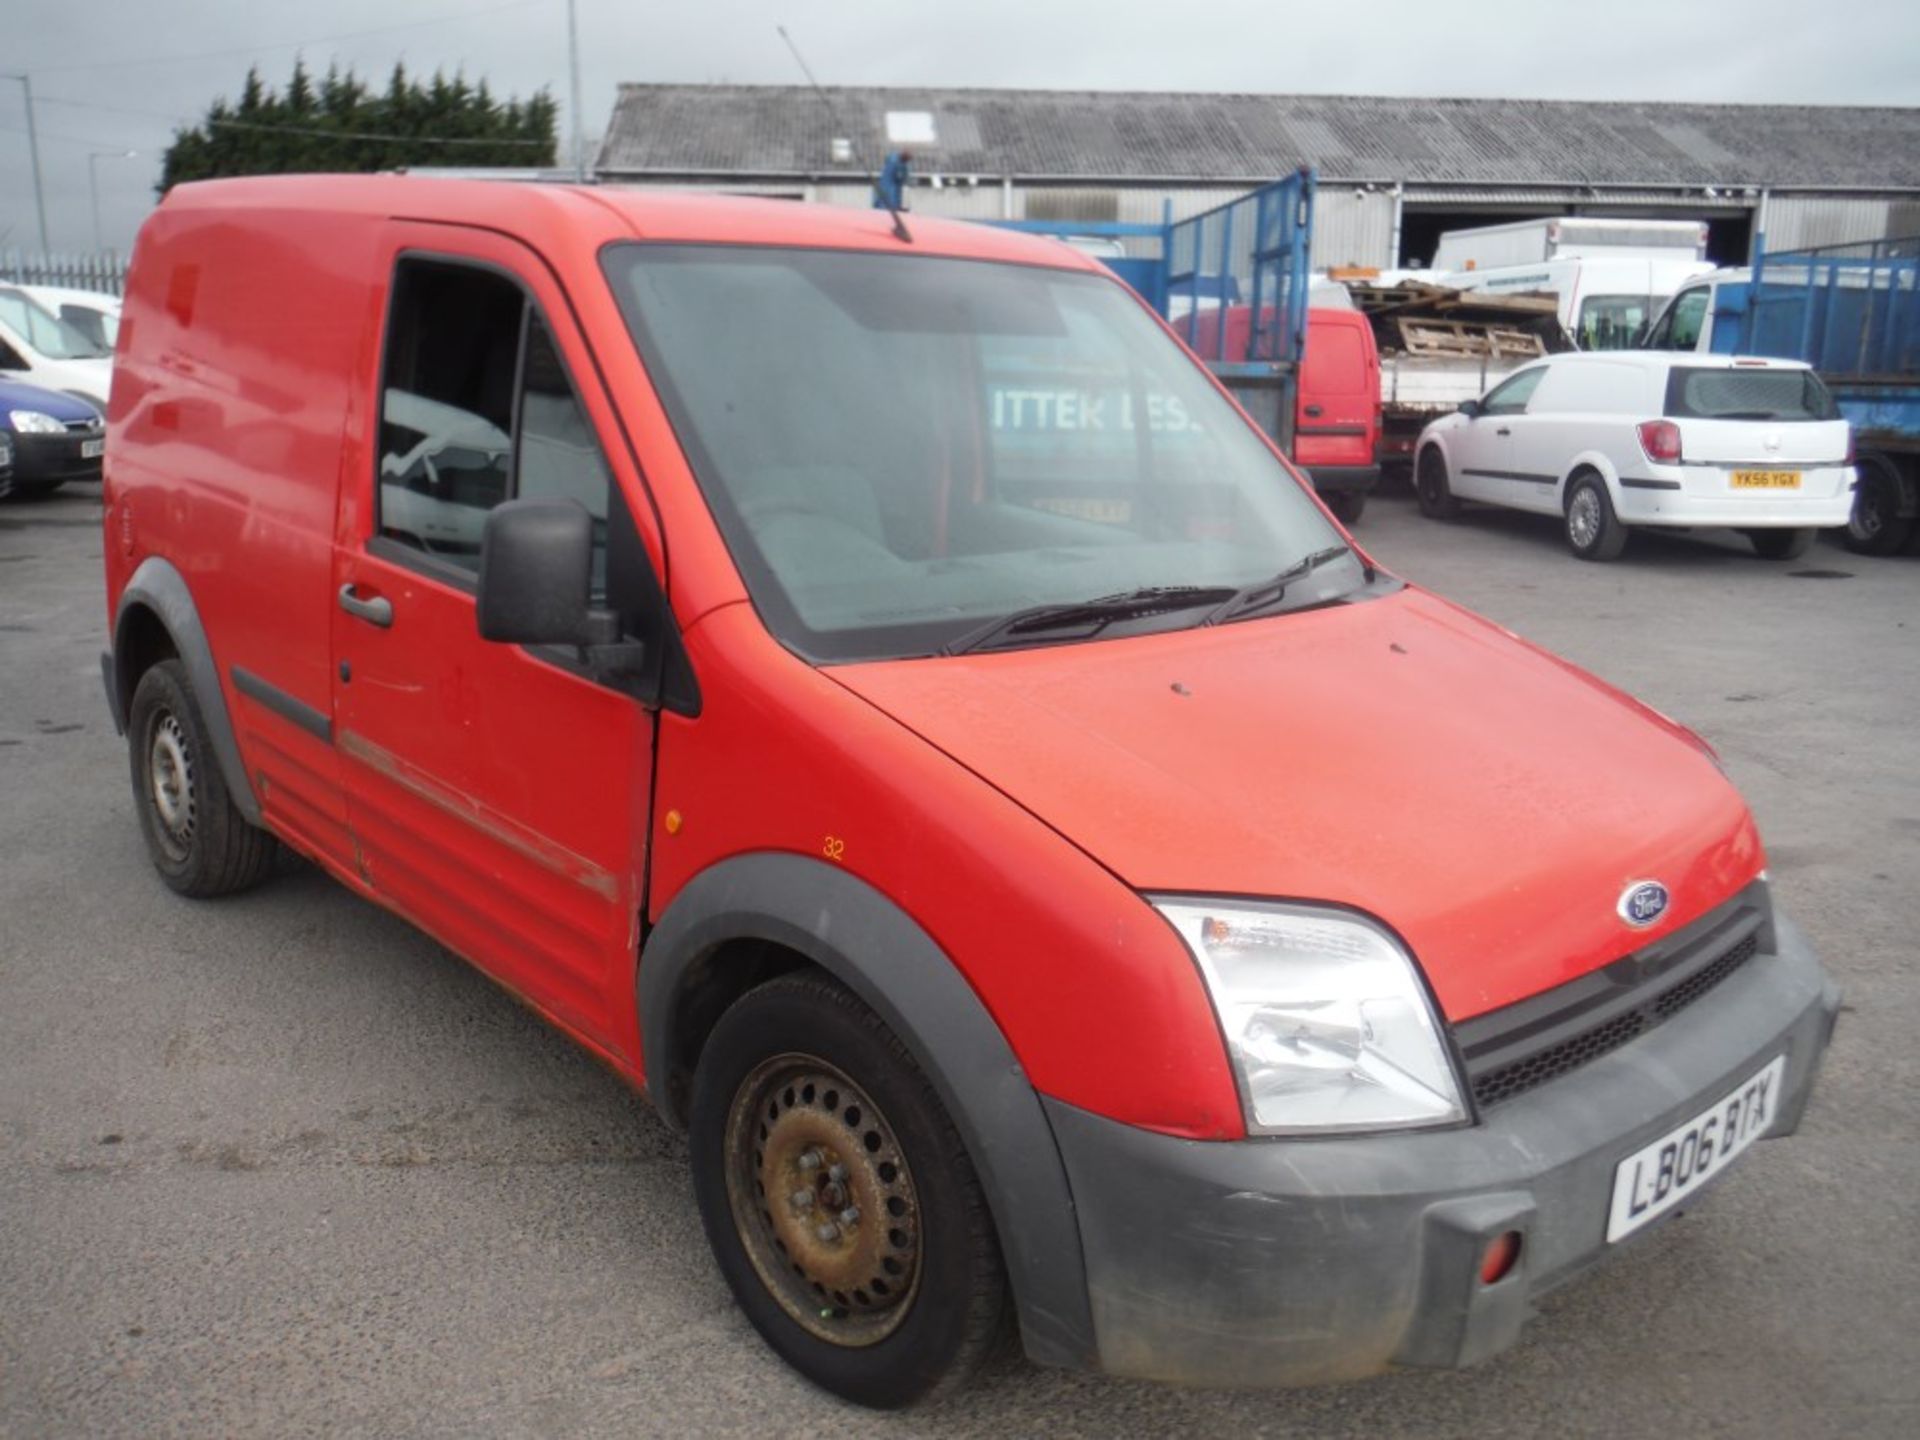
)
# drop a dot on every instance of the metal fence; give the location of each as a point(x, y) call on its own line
point(101, 270)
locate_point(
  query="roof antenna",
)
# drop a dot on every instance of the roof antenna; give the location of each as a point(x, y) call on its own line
point(888, 195)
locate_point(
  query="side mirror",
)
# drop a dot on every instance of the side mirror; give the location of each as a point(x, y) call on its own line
point(536, 572)
point(1470, 408)
point(536, 587)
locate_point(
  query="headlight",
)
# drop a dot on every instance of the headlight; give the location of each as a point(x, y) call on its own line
point(1327, 1022)
point(32, 422)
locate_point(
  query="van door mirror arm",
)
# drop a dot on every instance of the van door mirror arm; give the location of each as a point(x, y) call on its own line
point(608, 651)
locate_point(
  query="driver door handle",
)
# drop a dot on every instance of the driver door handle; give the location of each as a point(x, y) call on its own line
point(1503, 430)
point(377, 610)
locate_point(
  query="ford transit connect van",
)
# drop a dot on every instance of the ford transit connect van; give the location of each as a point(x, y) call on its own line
point(900, 714)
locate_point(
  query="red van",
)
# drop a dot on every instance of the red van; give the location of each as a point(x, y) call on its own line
point(879, 695)
point(1336, 402)
point(1336, 426)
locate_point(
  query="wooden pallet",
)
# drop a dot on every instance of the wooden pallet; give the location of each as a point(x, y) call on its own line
point(1414, 298)
point(1466, 338)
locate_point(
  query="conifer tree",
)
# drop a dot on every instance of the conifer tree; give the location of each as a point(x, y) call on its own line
point(342, 123)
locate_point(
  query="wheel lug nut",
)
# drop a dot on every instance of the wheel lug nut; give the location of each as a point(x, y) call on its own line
point(810, 1160)
point(802, 1199)
point(849, 1215)
point(827, 1232)
point(837, 1173)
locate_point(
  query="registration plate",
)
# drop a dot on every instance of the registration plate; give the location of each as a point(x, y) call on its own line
point(1678, 1165)
point(1766, 479)
point(92, 449)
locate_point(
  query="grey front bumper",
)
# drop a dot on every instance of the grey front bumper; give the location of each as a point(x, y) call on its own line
point(1277, 1262)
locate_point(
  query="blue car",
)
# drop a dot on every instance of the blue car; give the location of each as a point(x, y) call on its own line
point(53, 437)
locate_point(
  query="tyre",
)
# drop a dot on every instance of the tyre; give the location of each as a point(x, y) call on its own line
point(1781, 544)
point(1431, 489)
point(1876, 526)
point(839, 1199)
point(1594, 532)
point(200, 842)
point(1347, 505)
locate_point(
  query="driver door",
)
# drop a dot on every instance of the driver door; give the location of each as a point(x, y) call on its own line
point(1484, 452)
point(497, 795)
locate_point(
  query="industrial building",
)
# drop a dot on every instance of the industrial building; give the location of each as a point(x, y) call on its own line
point(1394, 173)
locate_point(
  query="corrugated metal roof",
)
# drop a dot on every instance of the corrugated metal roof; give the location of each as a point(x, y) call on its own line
point(786, 130)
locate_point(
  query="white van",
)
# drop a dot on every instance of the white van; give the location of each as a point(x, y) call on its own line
point(40, 348)
point(1605, 301)
point(93, 313)
point(1612, 442)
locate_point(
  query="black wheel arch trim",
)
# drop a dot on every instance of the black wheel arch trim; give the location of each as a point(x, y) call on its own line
point(161, 589)
point(874, 948)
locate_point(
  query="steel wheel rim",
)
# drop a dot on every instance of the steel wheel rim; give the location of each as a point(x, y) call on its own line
point(170, 782)
point(823, 1200)
point(1583, 518)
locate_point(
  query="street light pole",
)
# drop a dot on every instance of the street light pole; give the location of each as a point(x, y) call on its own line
point(573, 67)
point(93, 184)
point(33, 148)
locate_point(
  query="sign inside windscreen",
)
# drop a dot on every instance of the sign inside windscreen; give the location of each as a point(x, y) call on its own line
point(1053, 411)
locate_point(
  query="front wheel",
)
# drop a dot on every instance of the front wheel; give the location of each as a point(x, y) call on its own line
point(1431, 489)
point(1594, 532)
point(839, 1200)
point(1781, 544)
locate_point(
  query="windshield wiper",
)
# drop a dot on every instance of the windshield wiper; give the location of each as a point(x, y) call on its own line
point(1263, 594)
point(1096, 614)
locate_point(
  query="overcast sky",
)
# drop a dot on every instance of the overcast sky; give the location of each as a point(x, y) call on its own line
point(114, 75)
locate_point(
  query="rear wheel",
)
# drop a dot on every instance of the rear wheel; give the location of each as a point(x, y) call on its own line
point(1876, 526)
point(1431, 489)
point(1347, 505)
point(1781, 544)
point(839, 1200)
point(1594, 532)
point(199, 841)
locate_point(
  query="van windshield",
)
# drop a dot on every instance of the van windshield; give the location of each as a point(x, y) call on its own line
point(44, 332)
point(1614, 322)
point(900, 449)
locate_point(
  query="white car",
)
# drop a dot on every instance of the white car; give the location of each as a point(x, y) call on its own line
point(93, 313)
point(1615, 440)
point(39, 348)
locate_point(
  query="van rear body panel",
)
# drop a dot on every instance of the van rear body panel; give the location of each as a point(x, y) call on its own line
point(238, 399)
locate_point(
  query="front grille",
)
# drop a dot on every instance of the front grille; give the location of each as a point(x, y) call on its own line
point(1694, 986)
point(1556, 1060)
point(1514, 1049)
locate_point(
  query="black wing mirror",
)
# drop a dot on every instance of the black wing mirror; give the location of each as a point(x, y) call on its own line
point(1470, 409)
point(536, 573)
point(536, 584)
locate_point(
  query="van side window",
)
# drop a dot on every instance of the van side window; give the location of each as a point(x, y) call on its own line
point(1510, 396)
point(477, 408)
point(560, 456)
point(446, 415)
